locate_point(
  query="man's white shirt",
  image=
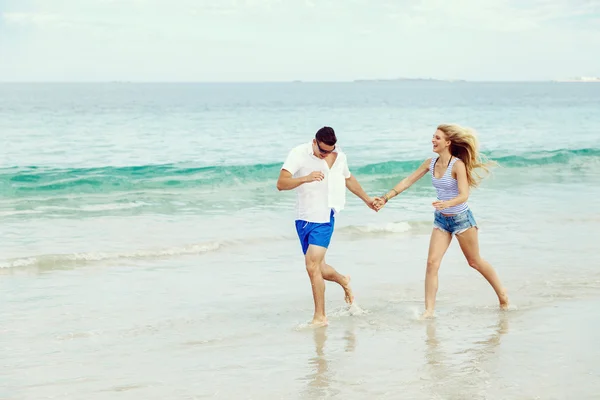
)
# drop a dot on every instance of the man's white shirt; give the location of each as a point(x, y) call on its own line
point(315, 200)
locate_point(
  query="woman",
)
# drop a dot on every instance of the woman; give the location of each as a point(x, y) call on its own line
point(452, 175)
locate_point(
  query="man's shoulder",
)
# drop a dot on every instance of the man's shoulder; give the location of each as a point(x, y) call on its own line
point(341, 155)
point(300, 149)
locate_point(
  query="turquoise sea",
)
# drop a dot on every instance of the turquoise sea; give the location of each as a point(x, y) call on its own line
point(146, 253)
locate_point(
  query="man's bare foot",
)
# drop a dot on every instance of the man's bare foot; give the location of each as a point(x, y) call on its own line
point(348, 295)
point(503, 300)
point(318, 322)
point(427, 314)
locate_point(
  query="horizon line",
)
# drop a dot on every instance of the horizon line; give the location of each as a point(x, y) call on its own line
point(298, 81)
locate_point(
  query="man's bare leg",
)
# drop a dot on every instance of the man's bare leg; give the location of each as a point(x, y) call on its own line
point(314, 258)
point(330, 274)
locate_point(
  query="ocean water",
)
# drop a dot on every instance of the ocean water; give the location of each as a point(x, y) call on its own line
point(145, 252)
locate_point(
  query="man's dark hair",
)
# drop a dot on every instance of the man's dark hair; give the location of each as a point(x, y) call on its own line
point(326, 135)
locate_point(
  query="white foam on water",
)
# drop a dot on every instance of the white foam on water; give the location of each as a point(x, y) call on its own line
point(19, 212)
point(94, 207)
point(346, 311)
point(390, 227)
point(59, 259)
point(114, 206)
point(308, 326)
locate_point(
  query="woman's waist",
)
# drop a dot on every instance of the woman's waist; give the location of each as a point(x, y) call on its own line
point(454, 210)
point(446, 194)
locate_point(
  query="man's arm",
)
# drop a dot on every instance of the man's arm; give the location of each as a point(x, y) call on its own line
point(287, 182)
point(353, 185)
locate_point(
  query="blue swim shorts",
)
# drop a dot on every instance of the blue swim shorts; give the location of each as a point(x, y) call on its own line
point(454, 224)
point(318, 234)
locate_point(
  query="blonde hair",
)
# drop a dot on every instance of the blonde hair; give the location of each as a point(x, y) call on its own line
point(464, 145)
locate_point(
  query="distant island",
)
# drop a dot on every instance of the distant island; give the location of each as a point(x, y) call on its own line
point(579, 79)
point(408, 80)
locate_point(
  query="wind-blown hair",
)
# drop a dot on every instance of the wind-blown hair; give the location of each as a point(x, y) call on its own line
point(464, 145)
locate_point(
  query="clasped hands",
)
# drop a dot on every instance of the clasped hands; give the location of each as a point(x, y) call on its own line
point(377, 203)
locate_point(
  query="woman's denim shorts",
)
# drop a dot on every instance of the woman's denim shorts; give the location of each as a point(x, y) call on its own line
point(454, 224)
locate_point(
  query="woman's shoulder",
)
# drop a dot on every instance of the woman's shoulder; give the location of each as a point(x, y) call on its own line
point(459, 162)
point(427, 163)
point(458, 166)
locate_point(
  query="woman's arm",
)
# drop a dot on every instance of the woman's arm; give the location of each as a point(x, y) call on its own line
point(408, 181)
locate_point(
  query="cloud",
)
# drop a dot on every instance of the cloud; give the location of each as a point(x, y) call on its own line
point(30, 18)
point(497, 15)
point(50, 21)
point(304, 39)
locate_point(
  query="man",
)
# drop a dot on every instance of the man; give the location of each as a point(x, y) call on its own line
point(319, 171)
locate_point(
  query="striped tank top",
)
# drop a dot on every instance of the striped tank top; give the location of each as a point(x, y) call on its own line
point(447, 187)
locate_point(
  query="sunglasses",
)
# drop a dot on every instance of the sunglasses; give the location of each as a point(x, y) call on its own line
point(322, 151)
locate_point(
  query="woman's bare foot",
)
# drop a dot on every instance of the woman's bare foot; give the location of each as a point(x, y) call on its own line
point(318, 322)
point(427, 314)
point(348, 295)
point(503, 300)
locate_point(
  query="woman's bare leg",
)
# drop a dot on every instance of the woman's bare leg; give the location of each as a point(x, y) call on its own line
point(438, 244)
point(469, 244)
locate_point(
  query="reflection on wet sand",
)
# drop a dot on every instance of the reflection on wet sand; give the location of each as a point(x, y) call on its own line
point(350, 339)
point(461, 372)
point(319, 380)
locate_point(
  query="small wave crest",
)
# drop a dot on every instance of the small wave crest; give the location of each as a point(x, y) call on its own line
point(92, 207)
point(415, 227)
point(35, 180)
point(50, 261)
point(18, 212)
point(56, 260)
point(390, 227)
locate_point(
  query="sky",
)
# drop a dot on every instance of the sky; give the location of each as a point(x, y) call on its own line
point(311, 40)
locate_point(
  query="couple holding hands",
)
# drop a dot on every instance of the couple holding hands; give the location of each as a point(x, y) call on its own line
point(319, 172)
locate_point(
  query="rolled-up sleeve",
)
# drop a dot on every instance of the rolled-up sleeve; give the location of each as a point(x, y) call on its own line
point(345, 169)
point(292, 162)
